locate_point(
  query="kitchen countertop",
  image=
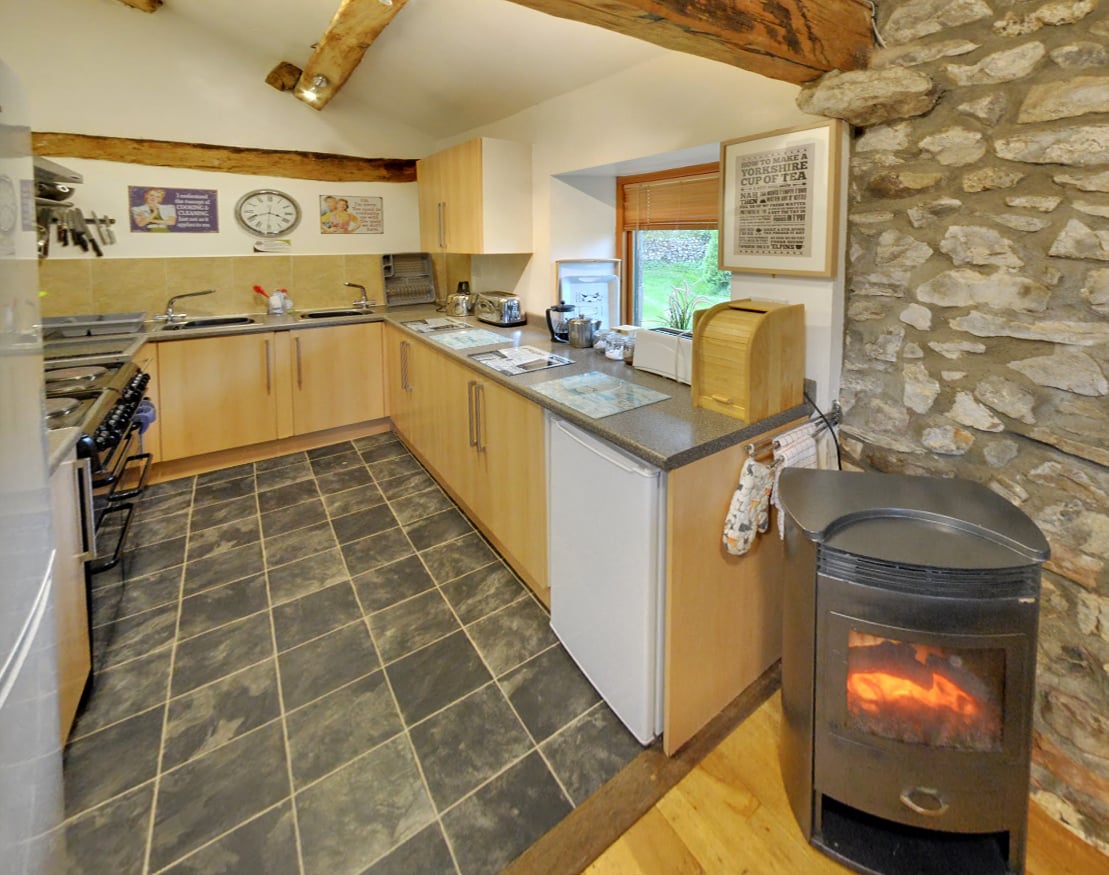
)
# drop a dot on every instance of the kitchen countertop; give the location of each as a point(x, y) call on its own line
point(668, 433)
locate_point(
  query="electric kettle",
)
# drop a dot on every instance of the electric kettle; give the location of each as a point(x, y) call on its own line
point(462, 302)
point(558, 318)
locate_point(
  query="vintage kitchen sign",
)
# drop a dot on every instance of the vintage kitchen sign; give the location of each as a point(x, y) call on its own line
point(177, 210)
point(351, 214)
point(779, 201)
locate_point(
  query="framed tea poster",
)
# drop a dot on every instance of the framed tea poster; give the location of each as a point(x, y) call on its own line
point(779, 201)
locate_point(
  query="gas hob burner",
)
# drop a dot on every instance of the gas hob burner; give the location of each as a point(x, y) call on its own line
point(59, 407)
point(75, 375)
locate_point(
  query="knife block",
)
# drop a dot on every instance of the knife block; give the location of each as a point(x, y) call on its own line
point(749, 358)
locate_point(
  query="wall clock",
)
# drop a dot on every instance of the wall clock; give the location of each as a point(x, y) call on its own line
point(267, 212)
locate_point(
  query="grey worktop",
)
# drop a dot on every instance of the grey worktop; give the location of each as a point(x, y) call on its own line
point(669, 433)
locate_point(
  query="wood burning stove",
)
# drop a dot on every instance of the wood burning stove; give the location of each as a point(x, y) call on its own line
point(908, 670)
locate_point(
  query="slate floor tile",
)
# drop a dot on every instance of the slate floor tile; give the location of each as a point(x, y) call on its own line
point(431, 678)
point(384, 450)
point(111, 838)
point(210, 716)
point(426, 853)
point(361, 812)
point(279, 462)
point(315, 614)
point(437, 529)
point(330, 450)
point(283, 476)
point(411, 624)
point(234, 564)
point(375, 440)
point(361, 523)
point(220, 539)
point(142, 561)
point(223, 490)
point(347, 478)
point(134, 636)
point(548, 692)
point(304, 576)
point(211, 655)
point(467, 743)
point(489, 829)
point(400, 466)
point(296, 545)
point(153, 504)
point(460, 556)
point(483, 591)
point(512, 635)
point(398, 487)
point(340, 726)
point(209, 795)
point(589, 751)
point(296, 516)
point(168, 487)
point(146, 530)
point(339, 461)
point(109, 762)
point(349, 500)
point(288, 495)
point(325, 664)
point(110, 604)
point(220, 605)
point(123, 691)
point(420, 504)
point(223, 512)
point(388, 584)
point(368, 553)
point(222, 475)
point(265, 844)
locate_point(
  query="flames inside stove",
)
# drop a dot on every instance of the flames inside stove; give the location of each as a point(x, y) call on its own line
point(923, 694)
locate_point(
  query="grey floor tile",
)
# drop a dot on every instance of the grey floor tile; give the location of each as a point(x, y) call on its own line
point(220, 539)
point(223, 490)
point(330, 450)
point(288, 495)
point(134, 636)
point(384, 450)
point(411, 624)
point(315, 614)
point(112, 761)
point(169, 487)
point(325, 664)
point(279, 462)
point(365, 554)
point(483, 591)
point(155, 504)
point(589, 751)
point(489, 829)
point(512, 635)
point(398, 487)
point(420, 504)
point(343, 460)
point(222, 475)
point(147, 530)
point(234, 564)
point(296, 545)
point(208, 717)
point(400, 466)
point(437, 529)
point(548, 692)
point(313, 573)
point(220, 605)
point(296, 516)
point(356, 815)
point(222, 651)
point(340, 481)
point(426, 853)
point(361, 523)
point(124, 691)
point(375, 440)
point(388, 584)
point(341, 726)
point(430, 679)
point(210, 795)
point(223, 512)
point(142, 561)
point(464, 745)
point(283, 476)
point(349, 500)
point(110, 839)
point(265, 845)
point(460, 556)
point(110, 604)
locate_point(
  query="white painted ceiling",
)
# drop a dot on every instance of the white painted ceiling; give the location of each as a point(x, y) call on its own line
point(441, 67)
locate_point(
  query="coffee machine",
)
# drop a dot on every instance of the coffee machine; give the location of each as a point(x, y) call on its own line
point(558, 319)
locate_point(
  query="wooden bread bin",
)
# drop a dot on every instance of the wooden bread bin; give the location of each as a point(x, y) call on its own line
point(749, 358)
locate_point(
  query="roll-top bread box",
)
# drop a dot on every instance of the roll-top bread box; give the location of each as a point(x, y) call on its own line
point(749, 358)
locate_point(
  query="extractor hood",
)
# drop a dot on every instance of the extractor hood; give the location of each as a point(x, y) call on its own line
point(51, 171)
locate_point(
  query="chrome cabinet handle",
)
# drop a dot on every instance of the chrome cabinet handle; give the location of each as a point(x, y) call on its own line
point(268, 367)
point(470, 395)
point(404, 384)
point(85, 512)
point(300, 374)
point(479, 402)
point(442, 208)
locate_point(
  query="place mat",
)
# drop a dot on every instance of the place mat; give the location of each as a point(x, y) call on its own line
point(435, 324)
point(598, 395)
point(520, 360)
point(466, 339)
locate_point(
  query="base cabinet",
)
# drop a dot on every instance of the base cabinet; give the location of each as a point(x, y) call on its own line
point(336, 377)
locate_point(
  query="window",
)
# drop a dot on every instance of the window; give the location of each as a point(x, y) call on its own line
point(667, 227)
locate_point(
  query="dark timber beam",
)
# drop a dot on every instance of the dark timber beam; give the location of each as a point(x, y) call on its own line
point(323, 166)
point(143, 5)
point(791, 40)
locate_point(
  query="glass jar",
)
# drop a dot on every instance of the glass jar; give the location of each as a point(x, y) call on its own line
point(614, 346)
point(599, 338)
point(629, 349)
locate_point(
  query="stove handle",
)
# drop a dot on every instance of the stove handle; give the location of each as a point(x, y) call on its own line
point(85, 512)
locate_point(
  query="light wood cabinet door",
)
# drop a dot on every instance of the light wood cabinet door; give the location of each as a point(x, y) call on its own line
point(219, 392)
point(398, 399)
point(336, 376)
point(71, 601)
point(430, 199)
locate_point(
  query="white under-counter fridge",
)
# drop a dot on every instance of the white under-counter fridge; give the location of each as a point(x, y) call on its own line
point(607, 552)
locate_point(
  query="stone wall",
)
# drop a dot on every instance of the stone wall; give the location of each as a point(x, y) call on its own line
point(977, 339)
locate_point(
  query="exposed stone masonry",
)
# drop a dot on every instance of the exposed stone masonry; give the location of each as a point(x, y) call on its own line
point(977, 341)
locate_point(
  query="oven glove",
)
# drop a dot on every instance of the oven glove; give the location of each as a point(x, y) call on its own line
point(145, 414)
point(749, 513)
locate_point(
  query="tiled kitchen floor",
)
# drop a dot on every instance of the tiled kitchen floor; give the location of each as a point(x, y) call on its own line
point(314, 664)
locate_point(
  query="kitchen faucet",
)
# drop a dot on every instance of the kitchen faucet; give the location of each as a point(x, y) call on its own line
point(362, 303)
point(169, 315)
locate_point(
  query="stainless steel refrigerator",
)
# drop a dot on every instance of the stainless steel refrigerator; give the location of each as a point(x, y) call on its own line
point(30, 747)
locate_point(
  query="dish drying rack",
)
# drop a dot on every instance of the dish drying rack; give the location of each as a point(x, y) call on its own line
point(408, 279)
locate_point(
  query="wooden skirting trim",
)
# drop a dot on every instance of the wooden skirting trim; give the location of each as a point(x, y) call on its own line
point(589, 829)
point(322, 166)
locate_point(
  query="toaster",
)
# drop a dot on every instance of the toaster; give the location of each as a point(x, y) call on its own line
point(500, 308)
point(667, 352)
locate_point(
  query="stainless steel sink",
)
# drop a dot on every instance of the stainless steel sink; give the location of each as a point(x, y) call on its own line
point(210, 322)
point(330, 314)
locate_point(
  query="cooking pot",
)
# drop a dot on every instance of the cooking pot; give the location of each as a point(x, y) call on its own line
point(580, 331)
point(557, 318)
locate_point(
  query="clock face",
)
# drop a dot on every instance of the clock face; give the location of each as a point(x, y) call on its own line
point(267, 213)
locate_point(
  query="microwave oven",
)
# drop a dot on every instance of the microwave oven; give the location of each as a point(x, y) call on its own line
point(667, 352)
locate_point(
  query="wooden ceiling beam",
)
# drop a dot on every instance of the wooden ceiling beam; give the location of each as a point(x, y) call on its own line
point(143, 5)
point(791, 40)
point(322, 166)
point(355, 25)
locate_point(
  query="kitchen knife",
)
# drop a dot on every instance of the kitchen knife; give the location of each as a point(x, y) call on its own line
point(99, 229)
point(108, 229)
point(75, 231)
point(63, 231)
point(84, 226)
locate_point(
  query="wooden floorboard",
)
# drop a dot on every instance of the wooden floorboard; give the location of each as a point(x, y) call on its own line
point(729, 814)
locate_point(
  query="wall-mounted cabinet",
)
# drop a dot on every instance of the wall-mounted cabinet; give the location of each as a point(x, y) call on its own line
point(476, 198)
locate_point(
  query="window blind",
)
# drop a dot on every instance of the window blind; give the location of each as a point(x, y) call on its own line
point(671, 202)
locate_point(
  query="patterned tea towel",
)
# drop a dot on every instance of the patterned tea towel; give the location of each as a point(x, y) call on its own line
point(749, 512)
point(795, 449)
